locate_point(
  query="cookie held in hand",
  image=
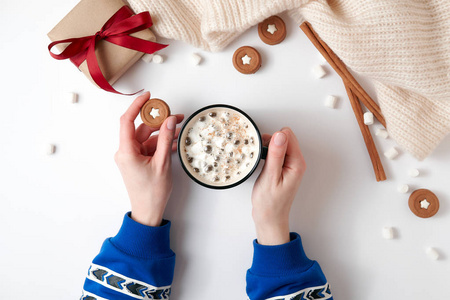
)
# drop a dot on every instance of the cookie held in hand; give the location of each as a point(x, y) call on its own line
point(154, 112)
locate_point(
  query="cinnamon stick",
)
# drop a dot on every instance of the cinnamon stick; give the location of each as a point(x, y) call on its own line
point(380, 175)
point(337, 64)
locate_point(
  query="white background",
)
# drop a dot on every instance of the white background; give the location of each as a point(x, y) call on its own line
point(56, 210)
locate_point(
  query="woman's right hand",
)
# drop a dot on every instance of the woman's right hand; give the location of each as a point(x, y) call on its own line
point(144, 160)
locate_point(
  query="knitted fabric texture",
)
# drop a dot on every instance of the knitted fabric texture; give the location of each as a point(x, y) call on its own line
point(403, 46)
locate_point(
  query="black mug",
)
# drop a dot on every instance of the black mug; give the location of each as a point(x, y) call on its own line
point(220, 146)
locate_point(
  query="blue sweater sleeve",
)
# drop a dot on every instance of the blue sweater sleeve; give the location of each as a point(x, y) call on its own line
point(135, 264)
point(284, 272)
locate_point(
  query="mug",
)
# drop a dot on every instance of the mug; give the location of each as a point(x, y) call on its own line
point(220, 146)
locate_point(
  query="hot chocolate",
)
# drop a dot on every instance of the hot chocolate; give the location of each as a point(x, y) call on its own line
point(219, 146)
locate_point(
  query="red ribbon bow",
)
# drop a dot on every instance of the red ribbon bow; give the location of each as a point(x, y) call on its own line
point(116, 30)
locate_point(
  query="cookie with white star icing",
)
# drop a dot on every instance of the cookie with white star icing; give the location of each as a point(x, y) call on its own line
point(247, 60)
point(154, 112)
point(272, 30)
point(423, 203)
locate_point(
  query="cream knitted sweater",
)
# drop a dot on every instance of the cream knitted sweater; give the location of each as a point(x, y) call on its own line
point(402, 45)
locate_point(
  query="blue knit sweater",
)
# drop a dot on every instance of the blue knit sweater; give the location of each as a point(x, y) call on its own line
point(138, 264)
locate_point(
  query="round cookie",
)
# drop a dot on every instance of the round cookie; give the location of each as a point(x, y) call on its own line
point(154, 112)
point(247, 60)
point(272, 30)
point(423, 203)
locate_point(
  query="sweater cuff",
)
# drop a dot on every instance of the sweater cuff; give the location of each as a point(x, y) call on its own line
point(280, 259)
point(143, 241)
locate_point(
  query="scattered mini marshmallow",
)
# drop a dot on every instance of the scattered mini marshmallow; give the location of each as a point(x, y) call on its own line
point(319, 71)
point(72, 97)
point(388, 233)
point(391, 153)
point(195, 59)
point(403, 188)
point(432, 253)
point(331, 101)
point(49, 149)
point(381, 132)
point(157, 59)
point(147, 57)
point(368, 118)
point(413, 173)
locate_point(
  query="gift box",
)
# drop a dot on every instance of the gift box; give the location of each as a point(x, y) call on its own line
point(86, 19)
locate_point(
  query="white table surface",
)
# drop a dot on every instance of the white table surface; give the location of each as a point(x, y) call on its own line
point(57, 210)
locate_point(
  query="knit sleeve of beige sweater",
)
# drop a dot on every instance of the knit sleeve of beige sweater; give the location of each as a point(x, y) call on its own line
point(403, 46)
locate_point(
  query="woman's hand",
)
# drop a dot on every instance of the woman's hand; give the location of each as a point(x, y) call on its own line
point(276, 187)
point(145, 162)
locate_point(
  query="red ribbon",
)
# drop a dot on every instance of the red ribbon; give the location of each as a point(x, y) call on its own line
point(116, 30)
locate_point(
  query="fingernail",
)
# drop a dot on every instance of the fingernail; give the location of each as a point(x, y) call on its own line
point(171, 123)
point(280, 139)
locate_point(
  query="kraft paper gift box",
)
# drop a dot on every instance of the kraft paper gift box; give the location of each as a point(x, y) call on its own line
point(85, 19)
